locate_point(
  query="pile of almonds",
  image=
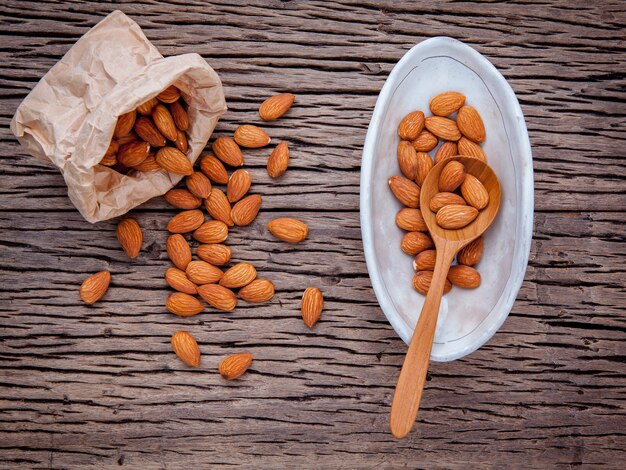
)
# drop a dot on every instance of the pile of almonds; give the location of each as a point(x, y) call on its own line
point(228, 207)
point(461, 195)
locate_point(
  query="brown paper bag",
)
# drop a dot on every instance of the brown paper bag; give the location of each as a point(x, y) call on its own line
point(69, 117)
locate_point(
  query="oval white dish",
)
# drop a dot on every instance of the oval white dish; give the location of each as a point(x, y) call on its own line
point(467, 318)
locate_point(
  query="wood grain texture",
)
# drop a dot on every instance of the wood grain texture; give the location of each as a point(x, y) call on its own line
point(100, 386)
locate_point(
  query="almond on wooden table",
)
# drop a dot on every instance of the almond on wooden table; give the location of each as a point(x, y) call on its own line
point(245, 211)
point(238, 185)
point(447, 149)
point(169, 95)
point(181, 120)
point(133, 153)
point(218, 207)
point(239, 275)
point(471, 149)
point(227, 150)
point(214, 169)
point(164, 122)
point(443, 199)
point(474, 192)
point(446, 103)
point(182, 199)
point(250, 136)
point(186, 221)
point(470, 254)
point(411, 125)
point(278, 161)
point(186, 348)
point(146, 107)
point(214, 253)
point(201, 272)
point(174, 161)
point(275, 106)
point(130, 237)
point(425, 260)
point(124, 124)
point(464, 276)
point(451, 176)
point(94, 287)
point(234, 366)
point(198, 184)
point(178, 251)
point(183, 305)
point(178, 280)
point(145, 128)
point(288, 229)
point(218, 296)
point(423, 279)
point(259, 290)
point(424, 165)
point(405, 190)
point(470, 123)
point(444, 128)
point(407, 159)
point(312, 306)
point(411, 220)
point(213, 231)
point(415, 242)
point(425, 142)
point(456, 216)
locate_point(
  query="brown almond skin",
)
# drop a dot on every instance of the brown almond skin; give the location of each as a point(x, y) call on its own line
point(411, 220)
point(276, 106)
point(109, 160)
point(405, 191)
point(423, 279)
point(213, 231)
point(474, 192)
point(133, 153)
point(146, 107)
point(447, 149)
point(471, 149)
point(425, 260)
point(407, 159)
point(124, 124)
point(198, 184)
point(425, 142)
point(238, 185)
point(182, 199)
point(218, 296)
point(424, 165)
point(174, 161)
point(201, 272)
point(127, 138)
point(470, 254)
point(130, 237)
point(440, 200)
point(312, 306)
point(178, 251)
point(471, 124)
point(444, 128)
point(464, 276)
point(218, 207)
point(149, 164)
point(416, 242)
point(112, 148)
point(214, 169)
point(179, 115)
point(259, 290)
point(183, 305)
point(250, 136)
point(411, 125)
point(186, 348)
point(233, 367)
point(186, 221)
point(278, 160)
point(179, 281)
point(451, 176)
point(446, 103)
point(227, 150)
point(238, 276)
point(169, 95)
point(94, 287)
point(145, 128)
point(214, 253)
point(288, 229)
point(454, 217)
point(164, 121)
point(181, 142)
point(245, 211)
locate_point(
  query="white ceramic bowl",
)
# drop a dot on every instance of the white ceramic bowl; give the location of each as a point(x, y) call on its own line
point(467, 318)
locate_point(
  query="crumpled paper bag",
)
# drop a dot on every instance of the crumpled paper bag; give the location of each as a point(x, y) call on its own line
point(70, 115)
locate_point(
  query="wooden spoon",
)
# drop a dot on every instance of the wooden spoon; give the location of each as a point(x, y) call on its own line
point(408, 394)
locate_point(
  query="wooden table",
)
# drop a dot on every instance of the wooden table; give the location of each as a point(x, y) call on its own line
point(100, 386)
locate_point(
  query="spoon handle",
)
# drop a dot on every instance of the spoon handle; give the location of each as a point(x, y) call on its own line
point(406, 399)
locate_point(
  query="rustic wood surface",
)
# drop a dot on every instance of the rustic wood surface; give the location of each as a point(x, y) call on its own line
point(100, 386)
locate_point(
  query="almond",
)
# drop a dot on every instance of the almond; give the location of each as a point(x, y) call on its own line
point(179, 281)
point(201, 272)
point(288, 229)
point(474, 192)
point(444, 128)
point(228, 151)
point(423, 279)
point(245, 211)
point(312, 306)
point(149, 164)
point(407, 159)
point(181, 120)
point(145, 128)
point(405, 190)
point(186, 221)
point(178, 251)
point(416, 242)
point(133, 153)
point(471, 253)
point(447, 103)
point(425, 142)
point(130, 237)
point(94, 287)
point(411, 125)
point(440, 200)
point(275, 106)
point(411, 220)
point(424, 165)
point(425, 260)
point(109, 160)
point(451, 176)
point(455, 216)
point(198, 184)
point(124, 124)
point(181, 142)
point(471, 124)
point(218, 207)
point(128, 138)
point(239, 275)
point(464, 276)
point(174, 161)
point(471, 149)
point(214, 169)
point(259, 290)
point(278, 160)
point(164, 121)
point(186, 348)
point(235, 366)
point(169, 95)
point(112, 148)
point(447, 149)
point(214, 253)
point(146, 108)
point(213, 231)
point(218, 296)
point(250, 136)
point(183, 305)
point(238, 185)
point(182, 199)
